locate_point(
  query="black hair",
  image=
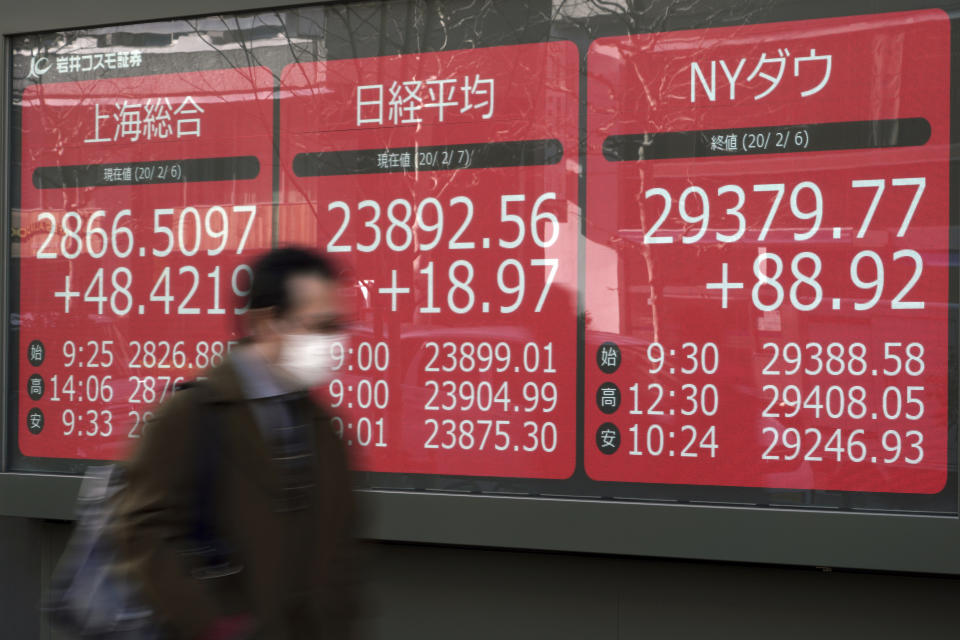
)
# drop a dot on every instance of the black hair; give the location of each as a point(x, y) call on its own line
point(273, 270)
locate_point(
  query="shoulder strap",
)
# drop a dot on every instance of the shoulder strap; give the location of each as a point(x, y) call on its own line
point(213, 556)
point(207, 428)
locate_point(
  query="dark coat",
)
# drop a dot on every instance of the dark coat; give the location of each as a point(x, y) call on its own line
point(296, 580)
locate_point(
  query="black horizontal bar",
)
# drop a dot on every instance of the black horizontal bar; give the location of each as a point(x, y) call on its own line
point(447, 157)
point(156, 172)
point(826, 136)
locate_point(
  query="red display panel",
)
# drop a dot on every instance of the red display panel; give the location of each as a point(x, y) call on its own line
point(767, 255)
point(142, 201)
point(447, 183)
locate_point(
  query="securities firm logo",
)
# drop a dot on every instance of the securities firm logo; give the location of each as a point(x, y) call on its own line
point(39, 66)
point(84, 63)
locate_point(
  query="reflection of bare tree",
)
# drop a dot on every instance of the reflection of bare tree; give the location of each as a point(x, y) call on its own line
point(623, 17)
point(597, 18)
point(274, 39)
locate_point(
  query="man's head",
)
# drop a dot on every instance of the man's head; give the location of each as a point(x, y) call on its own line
point(295, 312)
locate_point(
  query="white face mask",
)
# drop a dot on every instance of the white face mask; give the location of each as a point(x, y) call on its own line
point(306, 357)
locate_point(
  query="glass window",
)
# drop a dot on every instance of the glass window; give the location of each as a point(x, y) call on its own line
point(592, 250)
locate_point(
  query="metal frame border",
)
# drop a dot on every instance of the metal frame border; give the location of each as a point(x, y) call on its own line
point(885, 542)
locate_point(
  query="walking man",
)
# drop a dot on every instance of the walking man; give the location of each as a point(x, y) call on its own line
point(245, 466)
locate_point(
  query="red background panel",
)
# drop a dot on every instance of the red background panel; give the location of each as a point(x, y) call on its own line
point(637, 293)
point(535, 98)
point(236, 120)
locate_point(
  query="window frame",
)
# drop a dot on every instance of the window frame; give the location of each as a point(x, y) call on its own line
point(901, 543)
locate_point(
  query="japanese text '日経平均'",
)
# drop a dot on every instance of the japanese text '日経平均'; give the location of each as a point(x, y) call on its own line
point(411, 101)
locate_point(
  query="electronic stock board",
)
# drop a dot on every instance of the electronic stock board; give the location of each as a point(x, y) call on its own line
point(707, 265)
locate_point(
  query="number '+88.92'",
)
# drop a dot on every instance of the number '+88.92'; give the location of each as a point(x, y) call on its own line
point(796, 280)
